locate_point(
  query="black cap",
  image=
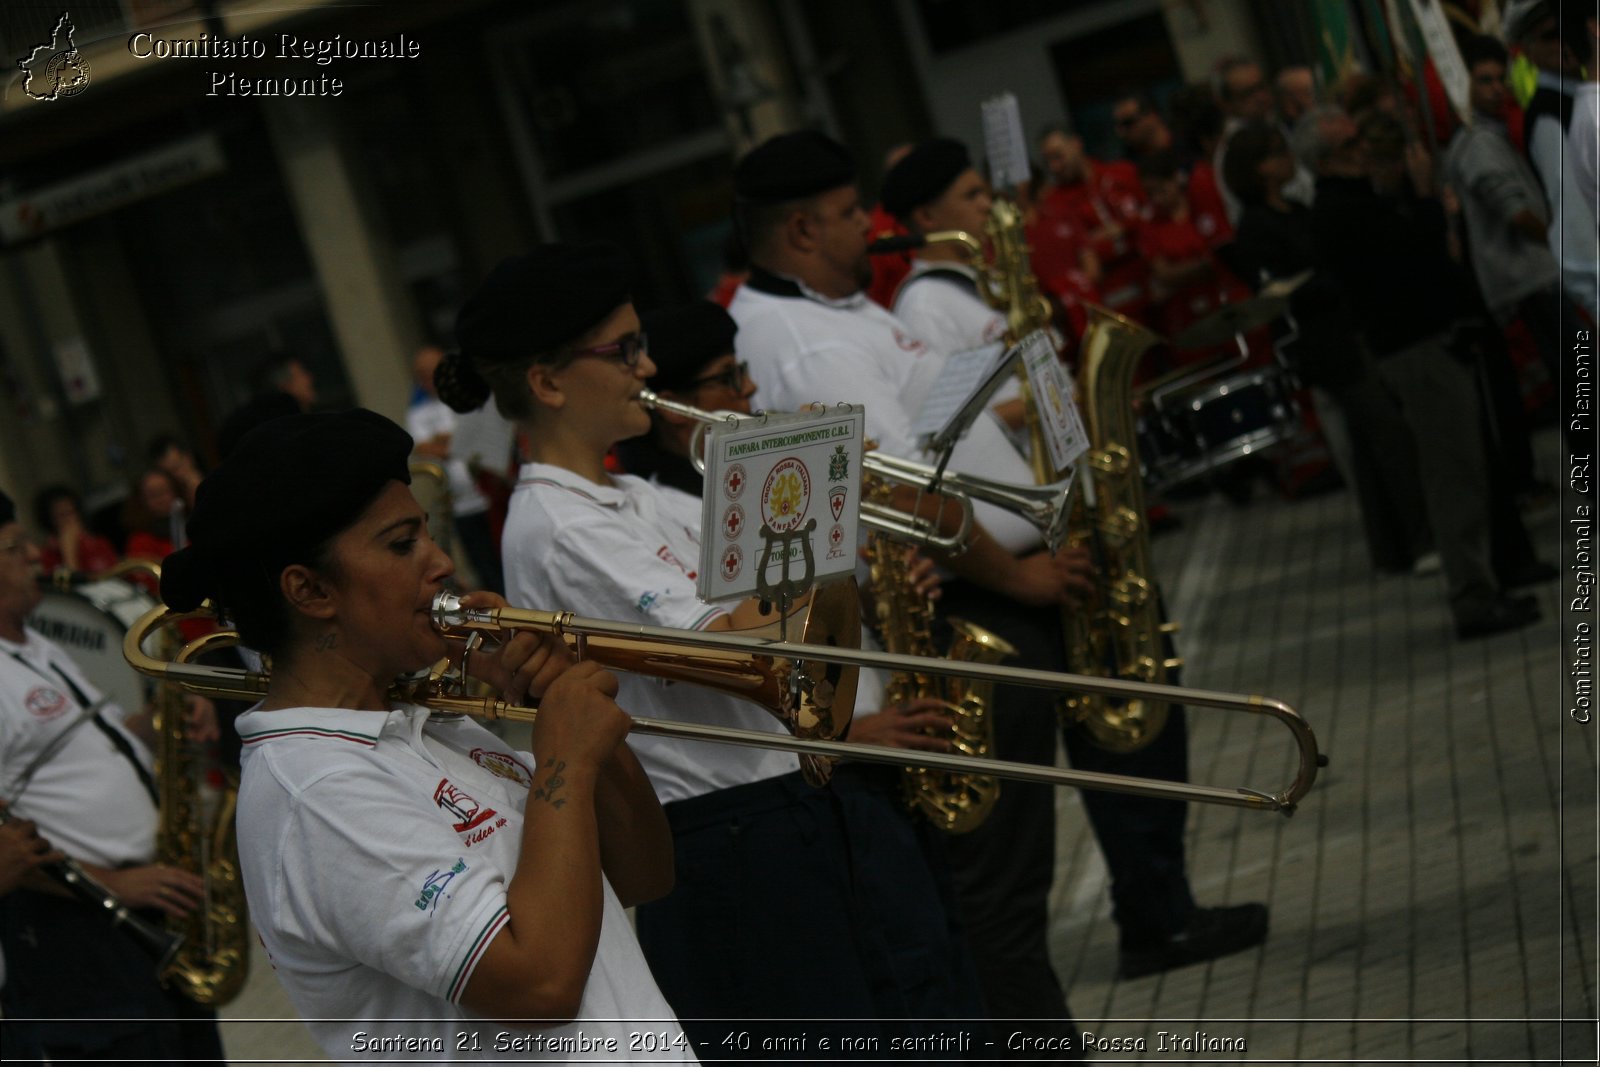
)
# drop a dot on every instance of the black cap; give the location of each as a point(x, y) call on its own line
point(683, 339)
point(923, 175)
point(793, 166)
point(289, 486)
point(530, 304)
point(8, 509)
point(541, 300)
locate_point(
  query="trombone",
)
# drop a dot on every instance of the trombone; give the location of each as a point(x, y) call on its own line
point(1046, 507)
point(664, 652)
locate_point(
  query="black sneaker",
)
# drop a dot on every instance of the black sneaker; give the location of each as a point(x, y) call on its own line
point(1211, 932)
point(1507, 613)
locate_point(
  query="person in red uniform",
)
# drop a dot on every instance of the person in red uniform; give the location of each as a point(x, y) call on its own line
point(889, 269)
point(68, 542)
point(1095, 206)
point(1187, 282)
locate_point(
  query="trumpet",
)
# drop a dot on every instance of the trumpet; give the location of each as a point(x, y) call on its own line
point(651, 650)
point(1045, 506)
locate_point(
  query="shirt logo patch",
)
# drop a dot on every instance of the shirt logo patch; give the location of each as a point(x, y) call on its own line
point(647, 600)
point(469, 814)
point(909, 343)
point(44, 702)
point(503, 765)
point(433, 888)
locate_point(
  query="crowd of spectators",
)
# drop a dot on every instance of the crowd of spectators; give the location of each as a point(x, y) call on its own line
point(1433, 261)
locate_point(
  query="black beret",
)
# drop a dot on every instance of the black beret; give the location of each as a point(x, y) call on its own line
point(684, 339)
point(288, 486)
point(8, 509)
point(541, 300)
point(792, 166)
point(923, 174)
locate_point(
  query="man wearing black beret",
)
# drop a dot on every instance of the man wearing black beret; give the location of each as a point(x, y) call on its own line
point(692, 348)
point(936, 188)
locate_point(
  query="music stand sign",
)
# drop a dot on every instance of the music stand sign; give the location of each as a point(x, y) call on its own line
point(782, 498)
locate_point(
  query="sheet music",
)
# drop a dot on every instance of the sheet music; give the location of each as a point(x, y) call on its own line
point(971, 375)
point(1004, 142)
point(1054, 400)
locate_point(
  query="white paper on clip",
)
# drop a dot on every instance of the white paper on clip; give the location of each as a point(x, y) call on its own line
point(1055, 400)
point(964, 374)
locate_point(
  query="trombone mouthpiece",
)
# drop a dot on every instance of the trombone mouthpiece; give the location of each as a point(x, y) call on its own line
point(449, 616)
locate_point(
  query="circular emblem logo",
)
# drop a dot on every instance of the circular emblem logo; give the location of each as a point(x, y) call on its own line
point(733, 522)
point(67, 73)
point(43, 702)
point(733, 481)
point(836, 535)
point(732, 562)
point(786, 496)
point(502, 765)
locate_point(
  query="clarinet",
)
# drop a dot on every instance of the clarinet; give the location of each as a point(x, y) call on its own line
point(158, 941)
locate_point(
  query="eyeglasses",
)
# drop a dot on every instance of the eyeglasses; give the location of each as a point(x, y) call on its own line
point(733, 379)
point(625, 350)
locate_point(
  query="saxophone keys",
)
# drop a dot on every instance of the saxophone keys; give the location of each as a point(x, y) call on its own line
point(1172, 664)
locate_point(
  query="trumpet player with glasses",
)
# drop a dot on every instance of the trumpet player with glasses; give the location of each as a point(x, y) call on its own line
point(419, 885)
point(80, 768)
point(791, 901)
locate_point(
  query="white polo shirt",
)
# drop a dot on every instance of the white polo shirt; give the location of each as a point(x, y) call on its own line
point(807, 348)
point(86, 796)
point(376, 848)
point(630, 552)
point(854, 351)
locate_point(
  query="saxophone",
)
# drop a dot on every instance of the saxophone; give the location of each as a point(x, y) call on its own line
point(196, 834)
point(1119, 633)
point(956, 802)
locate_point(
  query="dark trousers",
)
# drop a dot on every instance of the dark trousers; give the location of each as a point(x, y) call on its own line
point(813, 904)
point(1141, 838)
point(77, 988)
point(477, 541)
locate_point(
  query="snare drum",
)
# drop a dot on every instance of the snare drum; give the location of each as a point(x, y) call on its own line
point(1229, 419)
point(1242, 415)
point(89, 622)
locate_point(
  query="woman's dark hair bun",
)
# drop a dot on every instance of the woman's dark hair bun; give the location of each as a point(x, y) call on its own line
point(459, 385)
point(184, 582)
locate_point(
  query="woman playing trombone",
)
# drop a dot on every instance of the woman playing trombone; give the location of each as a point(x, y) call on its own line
point(791, 902)
point(402, 867)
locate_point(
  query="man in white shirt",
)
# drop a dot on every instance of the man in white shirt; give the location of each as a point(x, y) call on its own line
point(79, 768)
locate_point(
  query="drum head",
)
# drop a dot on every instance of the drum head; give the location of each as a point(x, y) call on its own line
point(89, 622)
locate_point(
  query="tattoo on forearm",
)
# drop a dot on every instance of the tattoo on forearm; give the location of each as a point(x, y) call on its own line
point(553, 784)
point(327, 641)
